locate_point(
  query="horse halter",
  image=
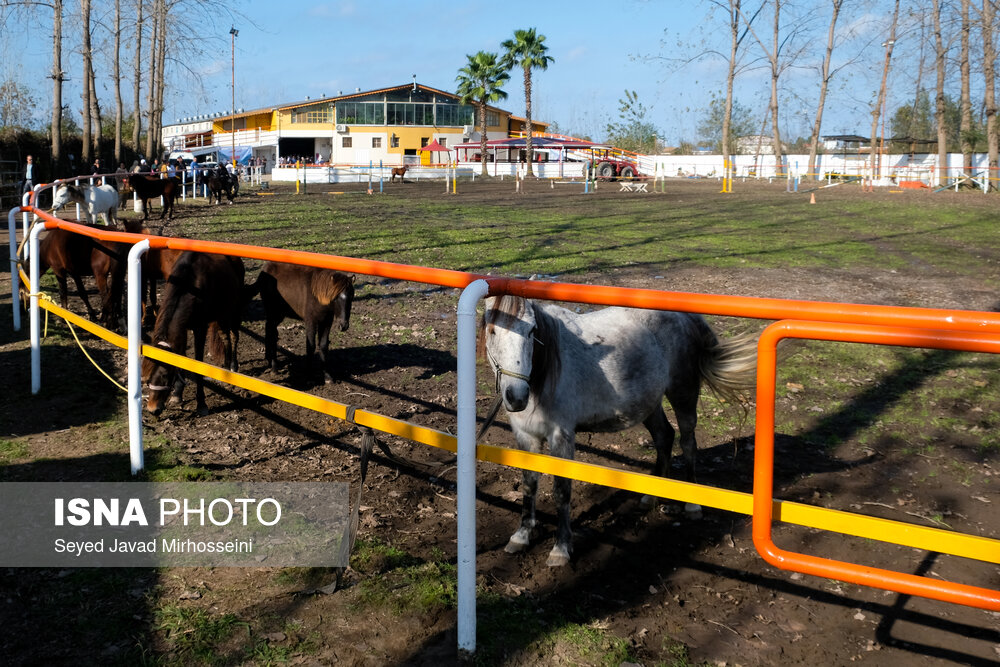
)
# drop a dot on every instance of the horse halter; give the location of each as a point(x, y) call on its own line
point(503, 371)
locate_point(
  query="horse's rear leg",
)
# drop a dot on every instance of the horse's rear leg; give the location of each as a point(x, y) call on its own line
point(322, 345)
point(685, 405)
point(199, 381)
point(662, 434)
point(271, 342)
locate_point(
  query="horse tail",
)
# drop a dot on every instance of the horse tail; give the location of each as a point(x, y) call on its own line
point(327, 285)
point(215, 342)
point(729, 367)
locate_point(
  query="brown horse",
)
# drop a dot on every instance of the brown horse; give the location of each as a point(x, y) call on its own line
point(202, 290)
point(157, 264)
point(76, 255)
point(399, 171)
point(147, 187)
point(319, 297)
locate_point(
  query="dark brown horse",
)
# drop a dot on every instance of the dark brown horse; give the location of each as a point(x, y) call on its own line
point(76, 255)
point(399, 171)
point(157, 263)
point(202, 290)
point(318, 297)
point(147, 187)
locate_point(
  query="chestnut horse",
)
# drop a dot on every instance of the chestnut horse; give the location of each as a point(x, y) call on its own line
point(319, 297)
point(202, 290)
point(146, 187)
point(399, 171)
point(76, 255)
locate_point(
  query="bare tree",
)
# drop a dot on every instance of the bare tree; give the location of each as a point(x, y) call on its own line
point(940, 103)
point(825, 76)
point(137, 76)
point(57, 81)
point(152, 75)
point(780, 55)
point(118, 83)
point(159, 82)
point(880, 98)
point(965, 99)
point(85, 154)
point(733, 9)
point(988, 25)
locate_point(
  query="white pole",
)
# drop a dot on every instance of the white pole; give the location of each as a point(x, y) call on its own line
point(15, 279)
point(134, 356)
point(466, 482)
point(35, 329)
point(24, 216)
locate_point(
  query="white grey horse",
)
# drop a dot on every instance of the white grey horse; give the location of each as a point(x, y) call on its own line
point(607, 370)
point(97, 200)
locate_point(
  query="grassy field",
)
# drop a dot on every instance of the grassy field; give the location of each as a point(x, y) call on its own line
point(928, 415)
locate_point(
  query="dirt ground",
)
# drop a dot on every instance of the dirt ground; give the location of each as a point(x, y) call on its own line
point(668, 584)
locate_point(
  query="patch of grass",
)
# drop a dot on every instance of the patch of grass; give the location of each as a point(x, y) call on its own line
point(422, 588)
point(164, 464)
point(195, 635)
point(11, 450)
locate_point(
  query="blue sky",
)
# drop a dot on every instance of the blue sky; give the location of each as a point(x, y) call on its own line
point(600, 49)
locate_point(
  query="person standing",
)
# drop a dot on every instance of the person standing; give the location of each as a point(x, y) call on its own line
point(31, 178)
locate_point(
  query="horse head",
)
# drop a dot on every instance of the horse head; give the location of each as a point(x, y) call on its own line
point(158, 381)
point(509, 325)
point(65, 194)
point(342, 306)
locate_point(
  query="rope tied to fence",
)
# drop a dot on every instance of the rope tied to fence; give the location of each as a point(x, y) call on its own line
point(42, 296)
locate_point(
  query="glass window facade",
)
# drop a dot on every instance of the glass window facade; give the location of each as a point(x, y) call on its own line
point(361, 113)
point(403, 113)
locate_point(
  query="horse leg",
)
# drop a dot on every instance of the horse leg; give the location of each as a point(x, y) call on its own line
point(321, 348)
point(561, 444)
point(685, 405)
point(663, 440)
point(83, 295)
point(271, 341)
point(200, 334)
point(529, 490)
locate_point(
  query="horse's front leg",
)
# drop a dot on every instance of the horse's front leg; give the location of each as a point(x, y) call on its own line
point(82, 291)
point(199, 381)
point(561, 444)
point(322, 345)
point(529, 491)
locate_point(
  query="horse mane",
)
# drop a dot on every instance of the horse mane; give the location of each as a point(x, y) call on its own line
point(181, 277)
point(328, 285)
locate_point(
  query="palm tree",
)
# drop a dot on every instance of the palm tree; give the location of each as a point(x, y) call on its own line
point(528, 50)
point(479, 82)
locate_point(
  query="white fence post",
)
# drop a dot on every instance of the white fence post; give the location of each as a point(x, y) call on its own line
point(134, 356)
point(466, 477)
point(35, 329)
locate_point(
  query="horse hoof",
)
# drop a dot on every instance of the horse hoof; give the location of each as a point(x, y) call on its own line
point(518, 542)
point(693, 511)
point(649, 502)
point(558, 558)
point(174, 400)
point(203, 411)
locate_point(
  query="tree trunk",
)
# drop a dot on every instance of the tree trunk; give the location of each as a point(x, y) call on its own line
point(880, 99)
point(156, 123)
point(154, 35)
point(727, 115)
point(137, 75)
point(965, 101)
point(95, 113)
point(527, 116)
point(482, 135)
point(118, 85)
point(989, 92)
point(775, 71)
point(57, 79)
point(824, 84)
point(939, 99)
point(85, 153)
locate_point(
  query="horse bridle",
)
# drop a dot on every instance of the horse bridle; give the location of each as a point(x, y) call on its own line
point(159, 387)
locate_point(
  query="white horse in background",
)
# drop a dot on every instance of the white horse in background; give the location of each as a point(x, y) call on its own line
point(97, 200)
